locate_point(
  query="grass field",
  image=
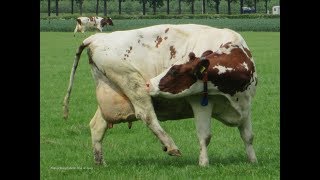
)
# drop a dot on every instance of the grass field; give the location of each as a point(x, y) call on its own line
point(65, 146)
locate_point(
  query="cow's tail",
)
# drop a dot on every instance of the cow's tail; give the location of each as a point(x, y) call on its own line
point(73, 71)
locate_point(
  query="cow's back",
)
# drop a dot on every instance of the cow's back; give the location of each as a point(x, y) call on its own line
point(153, 49)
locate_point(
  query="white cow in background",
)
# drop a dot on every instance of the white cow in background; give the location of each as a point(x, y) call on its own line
point(128, 65)
point(85, 22)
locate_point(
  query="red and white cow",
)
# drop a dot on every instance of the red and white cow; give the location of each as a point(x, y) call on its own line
point(223, 81)
point(86, 22)
point(123, 63)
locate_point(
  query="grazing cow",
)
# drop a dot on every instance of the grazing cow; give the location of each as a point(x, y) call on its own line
point(85, 22)
point(123, 64)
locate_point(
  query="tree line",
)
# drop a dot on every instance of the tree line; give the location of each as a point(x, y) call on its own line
point(154, 4)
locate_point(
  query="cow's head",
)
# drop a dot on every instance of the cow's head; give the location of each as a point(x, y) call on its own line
point(230, 69)
point(179, 78)
point(106, 21)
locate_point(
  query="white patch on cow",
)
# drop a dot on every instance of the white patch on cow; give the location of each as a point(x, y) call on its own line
point(244, 64)
point(222, 69)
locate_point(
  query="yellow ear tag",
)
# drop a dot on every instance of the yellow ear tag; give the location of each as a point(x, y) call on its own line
point(202, 69)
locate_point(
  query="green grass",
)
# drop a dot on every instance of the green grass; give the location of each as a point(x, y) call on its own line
point(136, 153)
point(257, 24)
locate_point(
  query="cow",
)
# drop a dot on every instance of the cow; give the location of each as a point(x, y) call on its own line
point(125, 66)
point(223, 82)
point(93, 21)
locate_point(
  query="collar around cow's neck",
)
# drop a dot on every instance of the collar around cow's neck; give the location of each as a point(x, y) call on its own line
point(204, 100)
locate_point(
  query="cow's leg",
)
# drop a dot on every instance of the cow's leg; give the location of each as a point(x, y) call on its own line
point(98, 128)
point(202, 115)
point(99, 28)
point(144, 111)
point(75, 31)
point(247, 136)
point(133, 86)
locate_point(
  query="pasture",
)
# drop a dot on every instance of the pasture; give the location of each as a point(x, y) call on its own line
point(65, 146)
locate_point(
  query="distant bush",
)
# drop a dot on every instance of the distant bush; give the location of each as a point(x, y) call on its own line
point(248, 24)
point(173, 16)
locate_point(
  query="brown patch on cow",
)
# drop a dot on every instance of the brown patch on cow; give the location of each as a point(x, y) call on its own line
point(172, 52)
point(106, 21)
point(248, 52)
point(166, 30)
point(181, 77)
point(146, 45)
point(206, 53)
point(233, 81)
point(91, 18)
point(158, 41)
point(165, 38)
point(79, 21)
point(192, 56)
point(128, 51)
point(226, 45)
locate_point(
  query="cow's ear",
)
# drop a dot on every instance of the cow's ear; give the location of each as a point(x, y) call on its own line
point(201, 67)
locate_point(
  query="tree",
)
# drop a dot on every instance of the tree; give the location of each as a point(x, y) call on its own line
point(248, 3)
point(266, 5)
point(190, 2)
point(120, 6)
point(168, 7)
point(255, 5)
point(241, 5)
point(154, 3)
point(97, 7)
point(203, 6)
point(217, 4)
point(105, 7)
point(49, 10)
point(72, 6)
point(57, 8)
point(80, 3)
point(192, 6)
point(179, 7)
point(229, 5)
point(144, 7)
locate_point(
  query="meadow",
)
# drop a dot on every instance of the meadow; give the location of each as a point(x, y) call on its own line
point(65, 146)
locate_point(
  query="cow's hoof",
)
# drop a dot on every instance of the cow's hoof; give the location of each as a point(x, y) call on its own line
point(204, 163)
point(253, 160)
point(164, 149)
point(174, 152)
point(100, 163)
